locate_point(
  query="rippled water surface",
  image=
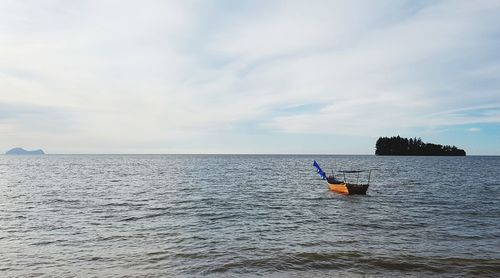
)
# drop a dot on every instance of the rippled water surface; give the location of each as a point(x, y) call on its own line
point(231, 215)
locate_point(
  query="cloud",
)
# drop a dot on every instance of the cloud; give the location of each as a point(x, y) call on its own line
point(474, 129)
point(400, 76)
point(30, 117)
point(128, 74)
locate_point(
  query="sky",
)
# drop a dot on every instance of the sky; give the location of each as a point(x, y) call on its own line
point(299, 77)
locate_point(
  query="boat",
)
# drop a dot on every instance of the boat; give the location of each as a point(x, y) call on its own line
point(349, 184)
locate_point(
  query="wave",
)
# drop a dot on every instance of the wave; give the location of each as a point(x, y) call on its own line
point(362, 263)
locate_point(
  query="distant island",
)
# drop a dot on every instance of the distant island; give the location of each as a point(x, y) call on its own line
point(21, 151)
point(414, 146)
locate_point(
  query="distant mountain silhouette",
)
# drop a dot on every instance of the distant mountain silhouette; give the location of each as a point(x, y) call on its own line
point(21, 151)
point(402, 146)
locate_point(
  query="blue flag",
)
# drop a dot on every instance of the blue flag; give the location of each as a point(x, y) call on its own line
point(320, 172)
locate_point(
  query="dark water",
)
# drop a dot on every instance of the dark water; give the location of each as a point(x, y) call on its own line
point(188, 215)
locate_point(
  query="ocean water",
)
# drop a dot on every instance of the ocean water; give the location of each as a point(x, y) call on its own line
point(246, 215)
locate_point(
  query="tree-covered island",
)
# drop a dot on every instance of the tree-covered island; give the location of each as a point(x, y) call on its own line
point(397, 145)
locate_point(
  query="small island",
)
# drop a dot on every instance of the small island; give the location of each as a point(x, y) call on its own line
point(397, 145)
point(21, 151)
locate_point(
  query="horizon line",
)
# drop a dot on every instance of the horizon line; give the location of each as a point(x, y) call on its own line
point(249, 154)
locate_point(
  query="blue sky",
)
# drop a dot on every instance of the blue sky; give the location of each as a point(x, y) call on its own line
point(248, 76)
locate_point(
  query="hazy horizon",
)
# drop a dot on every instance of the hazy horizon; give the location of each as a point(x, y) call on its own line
point(250, 154)
point(248, 77)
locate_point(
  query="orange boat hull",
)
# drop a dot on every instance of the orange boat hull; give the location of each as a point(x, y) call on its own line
point(348, 188)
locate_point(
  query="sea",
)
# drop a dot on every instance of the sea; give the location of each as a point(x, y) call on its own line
point(247, 216)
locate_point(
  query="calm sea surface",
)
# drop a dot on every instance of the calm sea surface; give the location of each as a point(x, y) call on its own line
point(239, 215)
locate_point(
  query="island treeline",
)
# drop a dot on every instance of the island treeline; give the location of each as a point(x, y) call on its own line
point(397, 145)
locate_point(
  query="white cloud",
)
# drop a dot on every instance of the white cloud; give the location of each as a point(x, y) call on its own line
point(135, 72)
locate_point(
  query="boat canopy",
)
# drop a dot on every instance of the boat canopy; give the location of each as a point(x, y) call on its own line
point(353, 171)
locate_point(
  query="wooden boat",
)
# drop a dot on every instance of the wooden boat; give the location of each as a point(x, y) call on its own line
point(347, 185)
